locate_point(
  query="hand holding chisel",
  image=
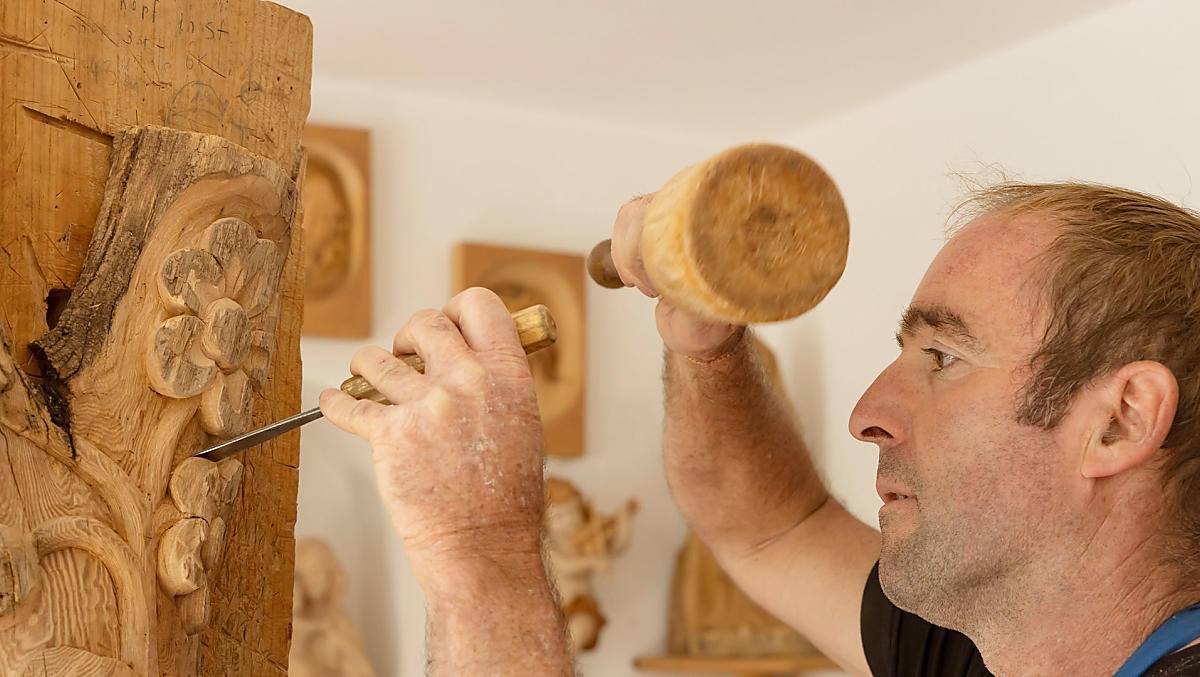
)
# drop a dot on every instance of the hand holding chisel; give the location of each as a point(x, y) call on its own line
point(535, 330)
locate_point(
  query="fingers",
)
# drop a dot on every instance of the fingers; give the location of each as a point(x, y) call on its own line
point(433, 336)
point(689, 335)
point(358, 417)
point(484, 321)
point(390, 376)
point(627, 245)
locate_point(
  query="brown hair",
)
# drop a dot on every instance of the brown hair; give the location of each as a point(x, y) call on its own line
point(1120, 283)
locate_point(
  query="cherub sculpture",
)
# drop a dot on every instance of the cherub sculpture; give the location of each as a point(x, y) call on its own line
point(581, 542)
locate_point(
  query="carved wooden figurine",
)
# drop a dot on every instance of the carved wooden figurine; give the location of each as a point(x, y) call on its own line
point(325, 642)
point(111, 528)
point(581, 542)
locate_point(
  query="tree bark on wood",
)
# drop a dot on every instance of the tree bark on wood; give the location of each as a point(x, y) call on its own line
point(149, 256)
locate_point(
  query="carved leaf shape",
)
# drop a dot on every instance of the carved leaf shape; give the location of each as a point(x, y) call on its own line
point(180, 570)
point(175, 361)
point(190, 280)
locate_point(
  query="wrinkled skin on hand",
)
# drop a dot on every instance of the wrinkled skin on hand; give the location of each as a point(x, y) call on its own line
point(681, 331)
point(458, 455)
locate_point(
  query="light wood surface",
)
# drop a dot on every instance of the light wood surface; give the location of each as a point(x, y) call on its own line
point(756, 233)
point(337, 232)
point(95, 209)
point(325, 641)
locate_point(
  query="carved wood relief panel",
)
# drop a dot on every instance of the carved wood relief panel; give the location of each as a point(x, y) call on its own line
point(110, 532)
point(523, 277)
point(337, 232)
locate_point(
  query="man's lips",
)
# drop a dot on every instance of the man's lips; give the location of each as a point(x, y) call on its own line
point(891, 491)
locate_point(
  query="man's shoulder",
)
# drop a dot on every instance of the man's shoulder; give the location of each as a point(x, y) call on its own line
point(1182, 663)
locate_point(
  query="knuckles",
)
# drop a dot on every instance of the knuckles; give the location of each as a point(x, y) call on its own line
point(432, 320)
point(480, 297)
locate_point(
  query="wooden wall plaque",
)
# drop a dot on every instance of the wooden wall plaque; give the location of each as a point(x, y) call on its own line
point(337, 232)
point(523, 277)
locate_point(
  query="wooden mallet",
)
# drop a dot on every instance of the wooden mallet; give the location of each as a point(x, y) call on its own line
point(757, 233)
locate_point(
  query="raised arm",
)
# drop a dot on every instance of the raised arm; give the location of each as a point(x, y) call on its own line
point(742, 476)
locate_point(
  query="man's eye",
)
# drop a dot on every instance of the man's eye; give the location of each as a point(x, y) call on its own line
point(940, 359)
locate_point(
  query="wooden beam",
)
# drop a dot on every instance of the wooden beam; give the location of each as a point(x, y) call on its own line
point(144, 563)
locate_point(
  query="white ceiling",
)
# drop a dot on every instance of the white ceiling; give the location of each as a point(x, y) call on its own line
point(749, 67)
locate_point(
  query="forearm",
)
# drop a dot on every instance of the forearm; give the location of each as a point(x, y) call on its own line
point(735, 460)
point(494, 616)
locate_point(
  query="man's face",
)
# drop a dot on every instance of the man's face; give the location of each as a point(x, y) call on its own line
point(972, 499)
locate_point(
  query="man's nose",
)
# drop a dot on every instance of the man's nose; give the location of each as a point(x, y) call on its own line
point(880, 415)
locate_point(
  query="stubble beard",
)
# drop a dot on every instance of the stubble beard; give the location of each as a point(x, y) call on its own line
point(931, 572)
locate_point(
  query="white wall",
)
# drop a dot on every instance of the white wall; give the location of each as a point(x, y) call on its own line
point(1109, 98)
point(444, 172)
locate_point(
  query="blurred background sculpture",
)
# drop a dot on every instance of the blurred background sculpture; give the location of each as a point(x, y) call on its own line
point(523, 277)
point(325, 642)
point(581, 542)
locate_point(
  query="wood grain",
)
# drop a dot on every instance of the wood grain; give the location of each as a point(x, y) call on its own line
point(95, 444)
point(756, 233)
point(126, 533)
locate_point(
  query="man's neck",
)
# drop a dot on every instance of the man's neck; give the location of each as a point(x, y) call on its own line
point(1084, 619)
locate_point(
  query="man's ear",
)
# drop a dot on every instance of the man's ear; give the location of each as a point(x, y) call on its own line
point(1140, 401)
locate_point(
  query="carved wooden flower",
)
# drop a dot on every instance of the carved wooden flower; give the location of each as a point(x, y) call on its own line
point(204, 493)
point(210, 346)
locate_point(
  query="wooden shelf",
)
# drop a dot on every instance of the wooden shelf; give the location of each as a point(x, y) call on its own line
point(763, 666)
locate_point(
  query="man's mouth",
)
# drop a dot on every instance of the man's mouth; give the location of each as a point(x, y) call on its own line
point(891, 490)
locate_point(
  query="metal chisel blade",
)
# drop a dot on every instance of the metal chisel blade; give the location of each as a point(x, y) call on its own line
point(230, 447)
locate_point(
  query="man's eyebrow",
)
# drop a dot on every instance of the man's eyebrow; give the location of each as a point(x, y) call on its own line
point(937, 318)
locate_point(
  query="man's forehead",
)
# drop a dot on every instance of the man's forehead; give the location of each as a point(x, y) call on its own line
point(978, 282)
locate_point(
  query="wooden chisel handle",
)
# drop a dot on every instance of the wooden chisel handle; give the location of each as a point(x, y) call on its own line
point(535, 328)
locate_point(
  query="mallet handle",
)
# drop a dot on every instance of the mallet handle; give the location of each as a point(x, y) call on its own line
point(600, 266)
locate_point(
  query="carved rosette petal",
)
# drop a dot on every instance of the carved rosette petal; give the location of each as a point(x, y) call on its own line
point(190, 280)
point(226, 337)
point(175, 361)
point(257, 288)
point(226, 407)
point(258, 358)
point(230, 240)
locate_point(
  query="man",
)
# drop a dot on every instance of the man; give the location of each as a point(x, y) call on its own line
point(1038, 449)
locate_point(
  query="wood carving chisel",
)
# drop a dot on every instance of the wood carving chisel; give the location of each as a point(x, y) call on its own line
point(535, 328)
